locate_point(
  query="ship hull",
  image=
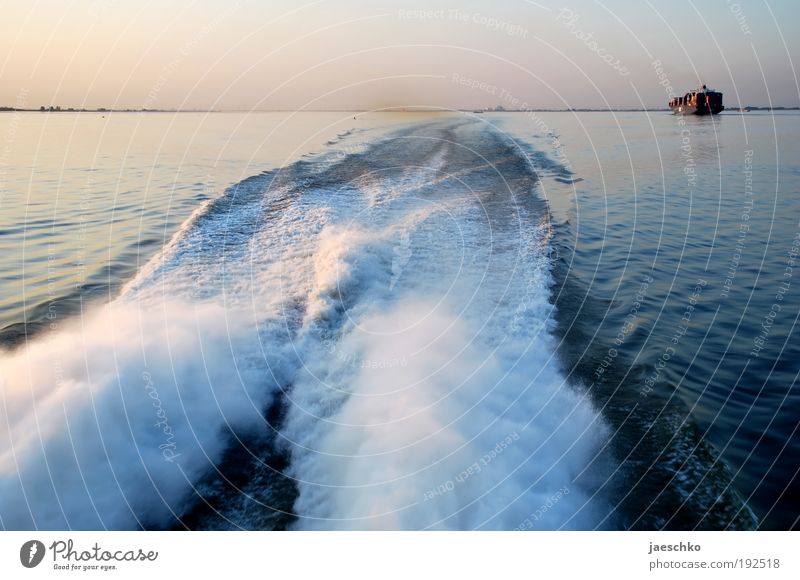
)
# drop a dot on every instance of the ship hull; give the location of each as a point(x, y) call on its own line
point(700, 102)
point(693, 110)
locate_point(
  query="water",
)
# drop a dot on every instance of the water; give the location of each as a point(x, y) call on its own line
point(438, 321)
point(703, 384)
point(87, 199)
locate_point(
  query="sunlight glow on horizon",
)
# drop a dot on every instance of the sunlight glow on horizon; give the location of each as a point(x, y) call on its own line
point(355, 54)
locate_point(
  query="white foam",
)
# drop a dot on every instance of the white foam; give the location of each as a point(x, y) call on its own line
point(409, 368)
point(391, 423)
point(418, 405)
point(110, 419)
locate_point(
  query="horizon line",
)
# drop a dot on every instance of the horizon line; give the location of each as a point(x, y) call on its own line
point(406, 109)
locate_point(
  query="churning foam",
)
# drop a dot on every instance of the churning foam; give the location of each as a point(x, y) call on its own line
point(109, 420)
point(424, 416)
point(402, 294)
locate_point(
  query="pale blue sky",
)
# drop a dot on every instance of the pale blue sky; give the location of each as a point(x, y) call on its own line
point(250, 54)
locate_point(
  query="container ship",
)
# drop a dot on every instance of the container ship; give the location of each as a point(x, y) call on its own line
point(699, 102)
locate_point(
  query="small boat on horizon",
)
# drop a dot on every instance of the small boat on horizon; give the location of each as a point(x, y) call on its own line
point(698, 102)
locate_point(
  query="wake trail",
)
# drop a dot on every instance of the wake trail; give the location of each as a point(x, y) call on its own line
point(362, 341)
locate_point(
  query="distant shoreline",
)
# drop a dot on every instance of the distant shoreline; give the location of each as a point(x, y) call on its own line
point(59, 110)
point(476, 111)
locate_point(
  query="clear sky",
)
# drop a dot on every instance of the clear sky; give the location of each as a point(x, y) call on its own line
point(365, 54)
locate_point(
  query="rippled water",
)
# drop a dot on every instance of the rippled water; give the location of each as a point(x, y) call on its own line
point(358, 313)
point(709, 209)
point(87, 199)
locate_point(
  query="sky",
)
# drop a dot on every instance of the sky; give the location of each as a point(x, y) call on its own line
point(373, 54)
